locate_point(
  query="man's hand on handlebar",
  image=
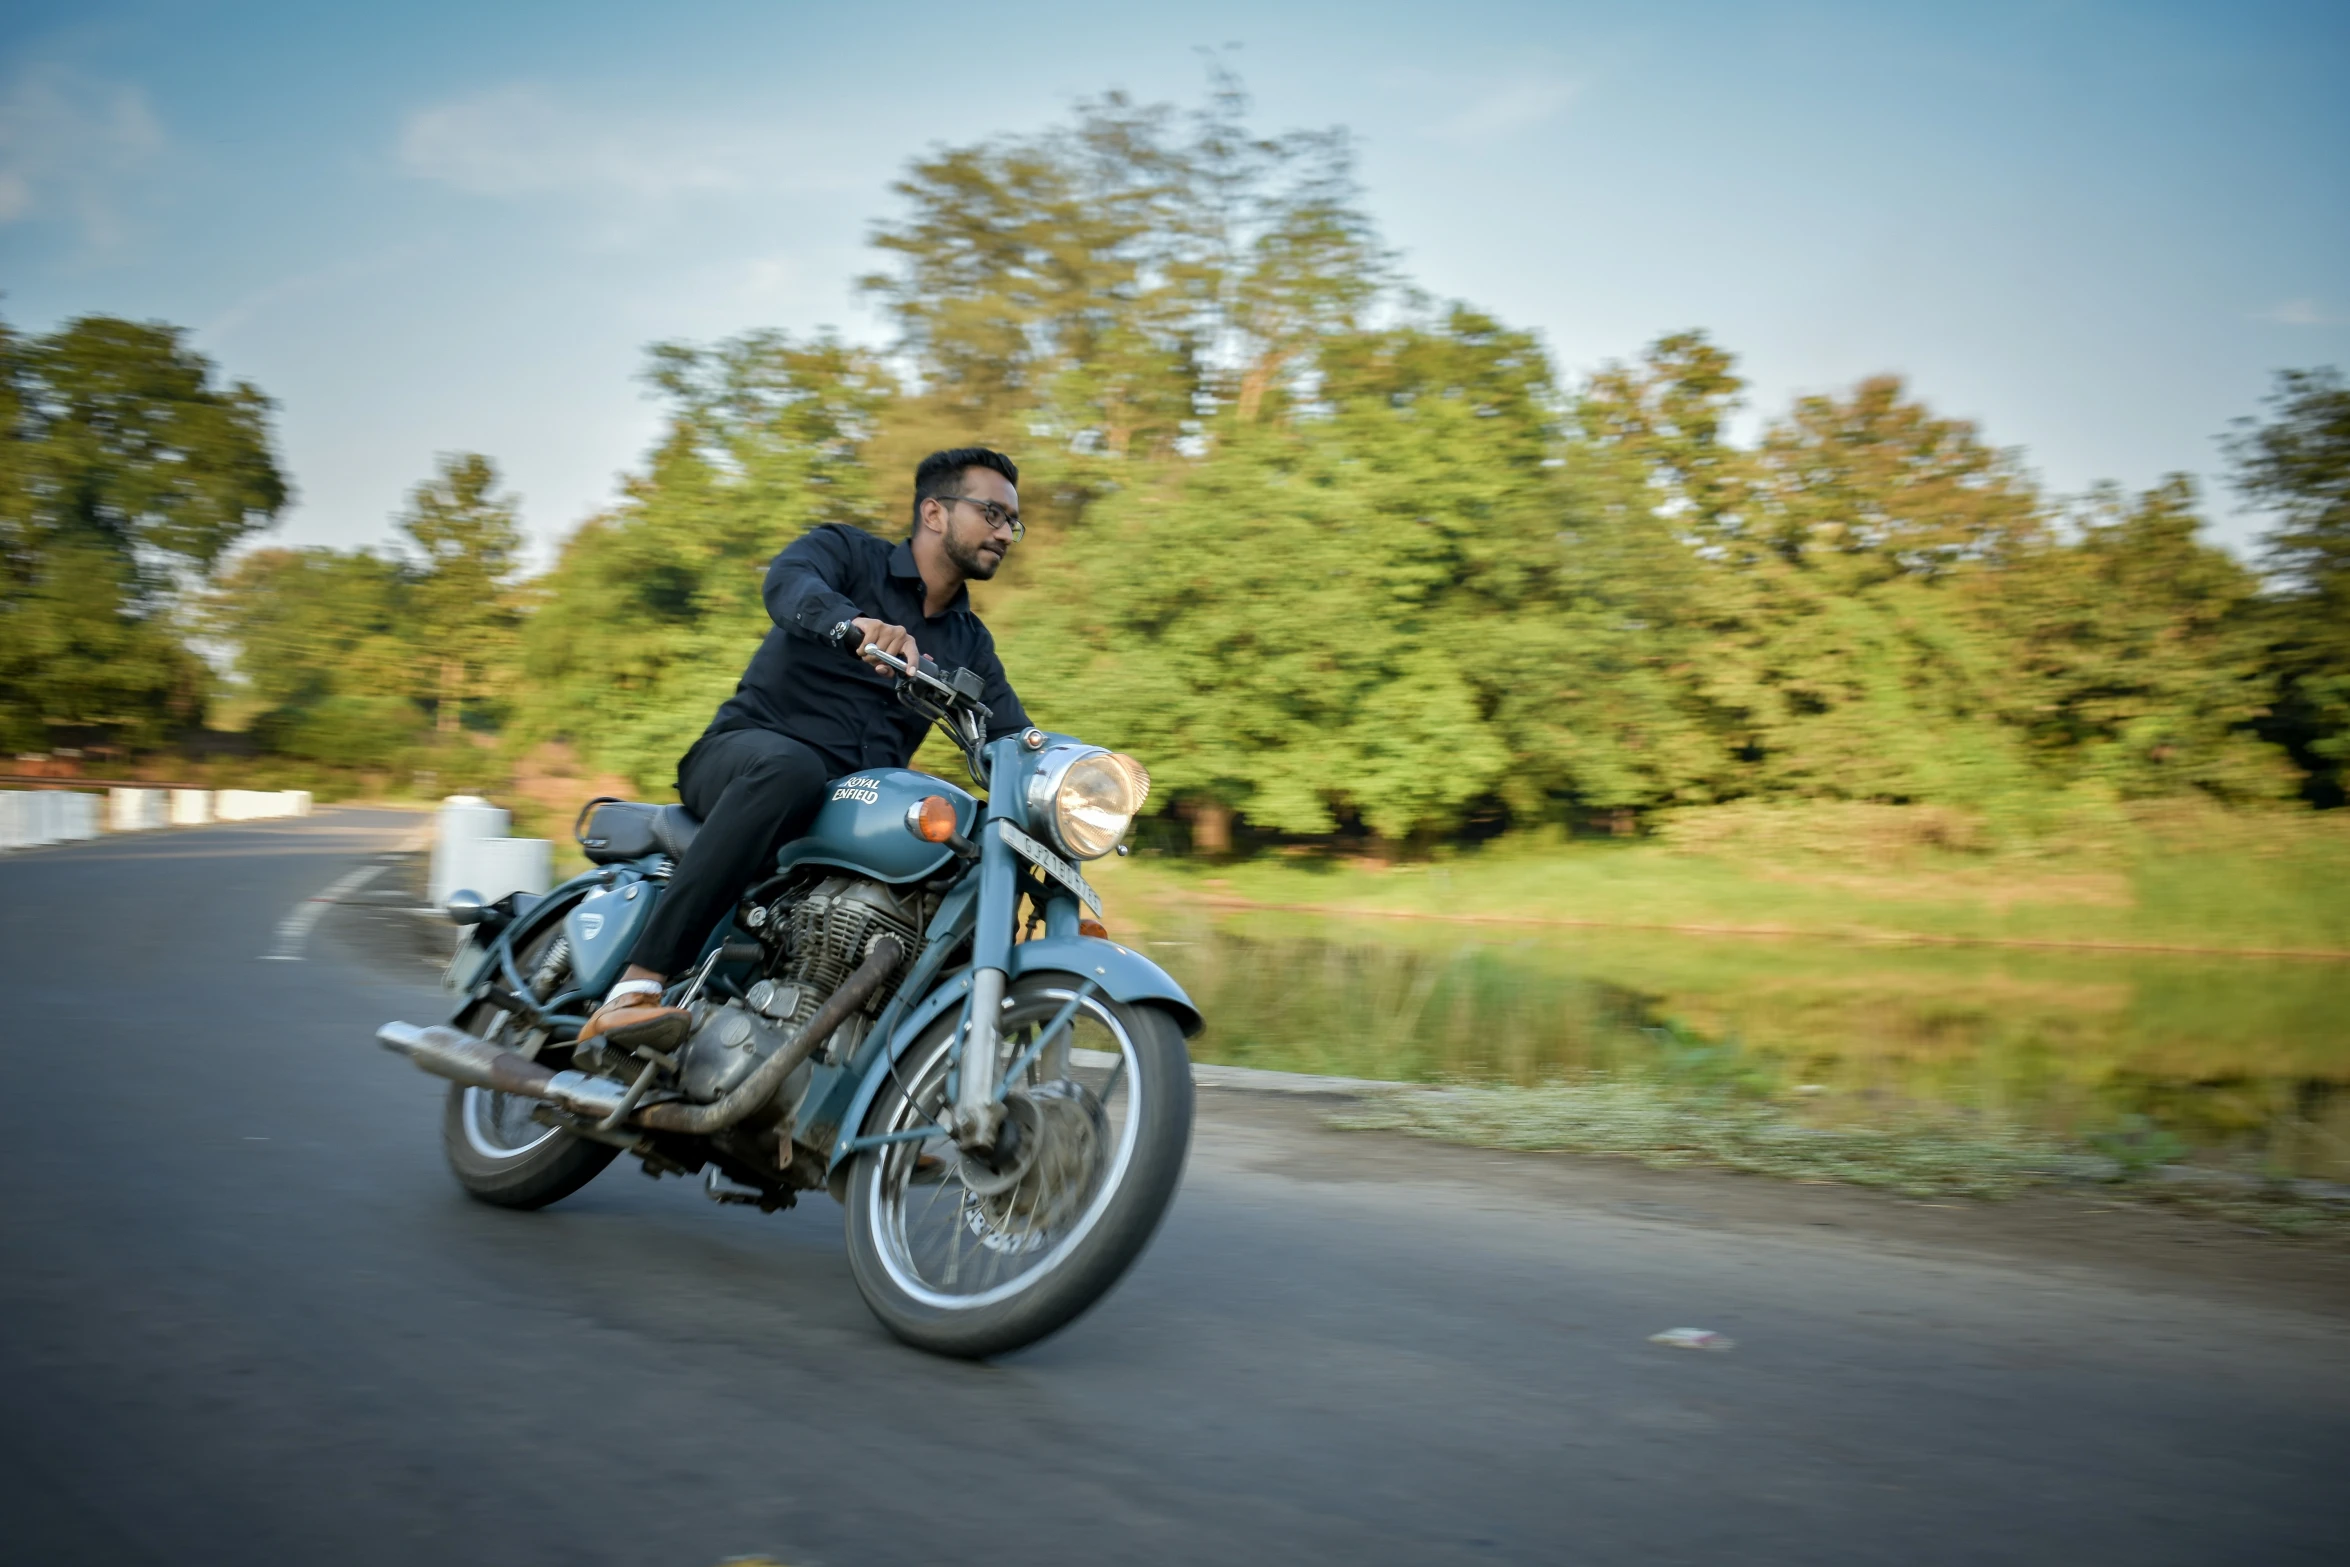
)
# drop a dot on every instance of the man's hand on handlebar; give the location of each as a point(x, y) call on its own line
point(894, 640)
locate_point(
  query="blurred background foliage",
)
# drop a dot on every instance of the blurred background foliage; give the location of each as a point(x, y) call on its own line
point(1334, 558)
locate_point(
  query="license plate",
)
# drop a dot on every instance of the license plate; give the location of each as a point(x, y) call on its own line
point(1052, 865)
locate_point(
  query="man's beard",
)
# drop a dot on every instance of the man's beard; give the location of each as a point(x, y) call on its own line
point(970, 560)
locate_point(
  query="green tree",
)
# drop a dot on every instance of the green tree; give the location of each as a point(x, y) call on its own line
point(354, 658)
point(2132, 656)
point(653, 608)
point(1294, 628)
point(463, 614)
point(1107, 284)
point(325, 656)
point(2297, 463)
point(1846, 649)
point(1615, 711)
point(126, 474)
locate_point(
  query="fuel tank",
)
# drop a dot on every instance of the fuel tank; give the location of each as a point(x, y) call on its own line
point(862, 826)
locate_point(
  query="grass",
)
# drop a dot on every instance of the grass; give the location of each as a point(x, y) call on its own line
point(2173, 876)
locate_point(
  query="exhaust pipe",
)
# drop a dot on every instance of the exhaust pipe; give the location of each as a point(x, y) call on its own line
point(461, 1058)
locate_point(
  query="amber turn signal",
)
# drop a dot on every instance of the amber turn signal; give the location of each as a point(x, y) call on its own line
point(1093, 928)
point(933, 819)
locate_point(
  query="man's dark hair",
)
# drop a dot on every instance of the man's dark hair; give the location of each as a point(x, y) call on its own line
point(941, 473)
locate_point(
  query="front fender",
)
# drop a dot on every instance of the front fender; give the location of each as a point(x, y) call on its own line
point(1122, 973)
point(1118, 972)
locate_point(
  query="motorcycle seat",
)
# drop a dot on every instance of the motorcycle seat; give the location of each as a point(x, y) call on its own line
point(673, 829)
point(610, 830)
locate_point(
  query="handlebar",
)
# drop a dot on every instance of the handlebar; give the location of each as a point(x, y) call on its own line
point(963, 690)
point(956, 705)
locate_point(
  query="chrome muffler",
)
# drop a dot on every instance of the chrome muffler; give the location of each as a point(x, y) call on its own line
point(462, 1058)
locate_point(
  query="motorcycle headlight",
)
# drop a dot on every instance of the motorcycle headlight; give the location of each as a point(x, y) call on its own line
point(1087, 802)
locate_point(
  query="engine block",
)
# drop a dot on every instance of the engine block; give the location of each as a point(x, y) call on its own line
point(820, 935)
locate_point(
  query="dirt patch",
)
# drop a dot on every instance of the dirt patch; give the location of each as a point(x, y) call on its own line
point(2057, 1229)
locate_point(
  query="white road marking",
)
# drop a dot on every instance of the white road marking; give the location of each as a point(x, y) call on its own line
point(295, 928)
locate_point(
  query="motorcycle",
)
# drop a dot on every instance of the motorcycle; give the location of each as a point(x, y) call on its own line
point(1001, 1104)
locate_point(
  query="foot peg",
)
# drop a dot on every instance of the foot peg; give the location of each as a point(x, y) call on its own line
point(654, 1028)
point(719, 1189)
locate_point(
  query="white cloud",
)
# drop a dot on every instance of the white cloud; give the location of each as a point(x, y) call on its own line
point(68, 143)
point(1507, 108)
point(522, 140)
point(2302, 312)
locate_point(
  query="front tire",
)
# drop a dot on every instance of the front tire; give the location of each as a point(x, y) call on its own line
point(955, 1268)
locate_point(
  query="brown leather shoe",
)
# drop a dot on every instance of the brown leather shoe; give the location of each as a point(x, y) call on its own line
point(638, 1022)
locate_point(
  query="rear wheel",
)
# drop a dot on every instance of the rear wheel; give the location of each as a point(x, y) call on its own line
point(497, 1152)
point(963, 1260)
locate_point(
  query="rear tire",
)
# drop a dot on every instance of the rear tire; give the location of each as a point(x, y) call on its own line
point(1144, 1137)
point(545, 1172)
point(498, 1154)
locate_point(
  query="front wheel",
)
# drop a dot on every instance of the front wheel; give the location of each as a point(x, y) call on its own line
point(961, 1259)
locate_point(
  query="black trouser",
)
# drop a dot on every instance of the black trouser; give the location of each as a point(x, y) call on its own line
point(755, 790)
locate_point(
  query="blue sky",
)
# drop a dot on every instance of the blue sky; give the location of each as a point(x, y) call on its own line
point(2093, 228)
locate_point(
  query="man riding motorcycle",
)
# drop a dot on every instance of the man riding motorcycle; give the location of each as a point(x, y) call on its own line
point(807, 710)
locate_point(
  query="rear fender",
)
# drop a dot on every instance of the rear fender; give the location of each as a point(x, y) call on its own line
point(1119, 973)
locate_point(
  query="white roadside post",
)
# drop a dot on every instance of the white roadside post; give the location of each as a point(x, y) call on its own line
point(81, 816)
point(506, 865)
point(191, 807)
point(470, 851)
point(136, 810)
point(463, 822)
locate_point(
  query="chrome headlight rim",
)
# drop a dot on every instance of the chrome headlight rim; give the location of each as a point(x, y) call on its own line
point(1044, 792)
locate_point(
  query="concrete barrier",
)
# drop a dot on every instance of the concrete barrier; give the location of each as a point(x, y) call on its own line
point(255, 805)
point(137, 810)
point(470, 850)
point(32, 817)
point(80, 816)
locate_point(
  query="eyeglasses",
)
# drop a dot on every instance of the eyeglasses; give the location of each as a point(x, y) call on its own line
point(998, 517)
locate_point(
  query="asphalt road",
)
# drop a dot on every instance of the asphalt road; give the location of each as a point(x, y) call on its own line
point(245, 1316)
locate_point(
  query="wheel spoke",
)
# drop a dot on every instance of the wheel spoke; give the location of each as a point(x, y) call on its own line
point(955, 1246)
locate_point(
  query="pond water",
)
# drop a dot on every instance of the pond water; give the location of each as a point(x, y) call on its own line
point(2245, 1060)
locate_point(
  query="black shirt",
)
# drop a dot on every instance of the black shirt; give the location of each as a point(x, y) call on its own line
point(799, 684)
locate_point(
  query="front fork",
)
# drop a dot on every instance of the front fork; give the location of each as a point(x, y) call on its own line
point(979, 1114)
point(979, 1111)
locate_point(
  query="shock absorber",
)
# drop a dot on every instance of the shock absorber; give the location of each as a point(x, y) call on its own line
point(549, 976)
